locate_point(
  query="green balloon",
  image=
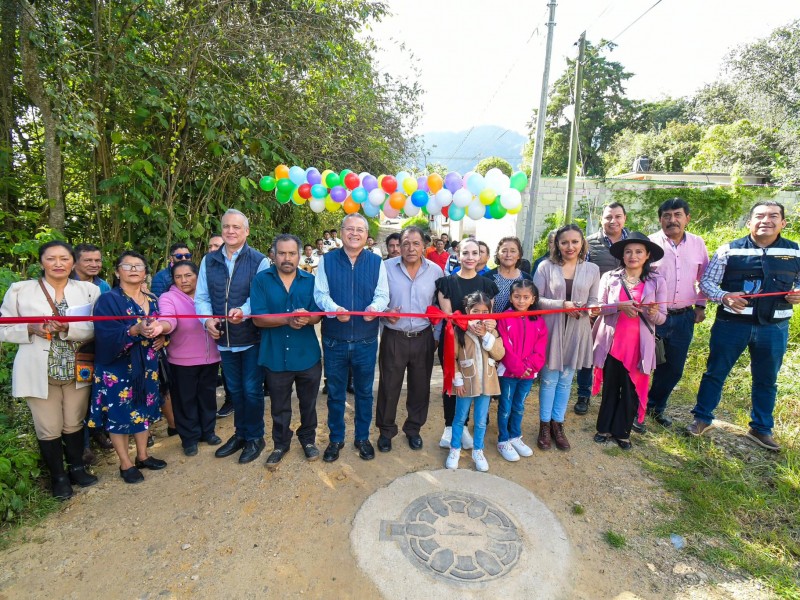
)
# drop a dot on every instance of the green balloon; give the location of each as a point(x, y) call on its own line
point(424, 210)
point(285, 186)
point(496, 210)
point(267, 183)
point(519, 181)
point(332, 180)
point(283, 197)
point(343, 174)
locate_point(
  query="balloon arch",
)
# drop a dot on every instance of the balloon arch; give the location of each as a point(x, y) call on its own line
point(473, 195)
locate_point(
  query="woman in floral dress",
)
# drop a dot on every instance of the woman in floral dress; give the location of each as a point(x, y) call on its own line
point(125, 399)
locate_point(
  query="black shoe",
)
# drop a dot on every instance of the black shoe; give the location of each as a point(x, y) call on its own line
point(101, 439)
point(274, 458)
point(351, 389)
point(384, 444)
point(190, 450)
point(132, 475)
point(171, 431)
point(624, 444)
point(332, 451)
point(601, 438)
point(62, 490)
point(582, 405)
point(639, 428)
point(226, 410)
point(415, 442)
point(151, 440)
point(252, 450)
point(365, 449)
point(213, 440)
point(661, 419)
point(79, 476)
point(152, 463)
point(232, 446)
point(311, 452)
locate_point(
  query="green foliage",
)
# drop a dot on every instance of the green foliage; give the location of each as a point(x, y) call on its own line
point(669, 149)
point(421, 221)
point(494, 162)
point(614, 539)
point(739, 148)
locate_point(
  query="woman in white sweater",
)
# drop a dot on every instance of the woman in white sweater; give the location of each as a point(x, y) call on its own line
point(44, 368)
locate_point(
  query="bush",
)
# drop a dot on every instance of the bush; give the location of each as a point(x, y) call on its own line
point(421, 221)
point(20, 493)
point(494, 162)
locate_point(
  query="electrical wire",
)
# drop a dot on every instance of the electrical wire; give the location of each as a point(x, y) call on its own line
point(636, 20)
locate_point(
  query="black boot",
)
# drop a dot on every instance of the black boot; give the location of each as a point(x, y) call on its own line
point(73, 448)
point(53, 457)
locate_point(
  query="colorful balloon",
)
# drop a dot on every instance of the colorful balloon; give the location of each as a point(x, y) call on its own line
point(397, 200)
point(446, 211)
point(297, 198)
point(305, 191)
point(444, 197)
point(351, 181)
point(370, 209)
point(285, 187)
point(376, 197)
point(497, 211)
point(455, 212)
point(332, 206)
point(313, 176)
point(389, 184)
point(514, 211)
point(350, 207)
point(462, 198)
point(319, 191)
point(297, 175)
point(433, 207)
point(267, 183)
point(409, 185)
point(453, 182)
point(332, 180)
point(422, 184)
point(476, 183)
point(369, 182)
point(519, 181)
point(359, 194)
point(338, 193)
point(316, 205)
point(281, 172)
point(418, 198)
point(390, 211)
point(511, 199)
point(411, 209)
point(487, 196)
point(476, 210)
point(435, 183)
point(283, 196)
point(402, 176)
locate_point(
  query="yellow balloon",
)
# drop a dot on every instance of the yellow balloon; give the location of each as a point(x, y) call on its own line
point(380, 180)
point(513, 211)
point(487, 196)
point(325, 174)
point(332, 206)
point(297, 198)
point(410, 185)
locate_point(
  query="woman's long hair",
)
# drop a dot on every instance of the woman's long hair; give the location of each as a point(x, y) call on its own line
point(555, 254)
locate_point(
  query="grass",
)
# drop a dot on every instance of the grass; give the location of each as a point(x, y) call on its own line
point(738, 505)
point(615, 540)
point(578, 509)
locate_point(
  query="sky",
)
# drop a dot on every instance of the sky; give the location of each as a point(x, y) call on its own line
point(480, 62)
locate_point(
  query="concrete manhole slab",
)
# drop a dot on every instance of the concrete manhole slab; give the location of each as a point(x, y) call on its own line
point(460, 534)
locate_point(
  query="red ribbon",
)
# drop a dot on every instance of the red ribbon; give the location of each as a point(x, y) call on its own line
point(436, 314)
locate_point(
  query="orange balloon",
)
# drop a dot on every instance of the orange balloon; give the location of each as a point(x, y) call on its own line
point(397, 200)
point(281, 172)
point(435, 182)
point(350, 206)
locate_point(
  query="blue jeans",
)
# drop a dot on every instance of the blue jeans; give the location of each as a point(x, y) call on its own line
point(511, 407)
point(554, 388)
point(479, 418)
point(677, 333)
point(245, 379)
point(585, 378)
point(766, 345)
point(340, 357)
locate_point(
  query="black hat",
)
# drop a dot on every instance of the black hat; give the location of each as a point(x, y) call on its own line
point(634, 237)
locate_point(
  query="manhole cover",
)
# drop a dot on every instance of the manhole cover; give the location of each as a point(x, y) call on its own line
point(457, 536)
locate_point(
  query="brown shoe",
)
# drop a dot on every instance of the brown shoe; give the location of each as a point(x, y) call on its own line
point(764, 440)
point(557, 431)
point(543, 441)
point(89, 459)
point(698, 428)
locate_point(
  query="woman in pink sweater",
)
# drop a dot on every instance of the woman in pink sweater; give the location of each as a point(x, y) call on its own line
point(194, 360)
point(525, 340)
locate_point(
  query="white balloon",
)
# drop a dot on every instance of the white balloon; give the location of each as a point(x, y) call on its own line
point(510, 199)
point(462, 198)
point(362, 175)
point(444, 197)
point(316, 204)
point(476, 210)
point(410, 209)
point(376, 196)
point(402, 176)
point(433, 207)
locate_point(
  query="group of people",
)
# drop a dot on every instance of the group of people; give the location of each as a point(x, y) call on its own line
point(599, 306)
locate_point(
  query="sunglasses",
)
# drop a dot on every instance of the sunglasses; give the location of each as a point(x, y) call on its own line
point(186, 256)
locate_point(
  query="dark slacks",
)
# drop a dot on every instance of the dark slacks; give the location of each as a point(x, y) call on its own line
point(620, 402)
point(194, 401)
point(400, 354)
point(280, 392)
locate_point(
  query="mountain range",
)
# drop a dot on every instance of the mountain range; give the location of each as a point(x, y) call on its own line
point(446, 147)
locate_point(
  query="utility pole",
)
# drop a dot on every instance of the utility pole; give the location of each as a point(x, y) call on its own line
point(573, 140)
point(541, 118)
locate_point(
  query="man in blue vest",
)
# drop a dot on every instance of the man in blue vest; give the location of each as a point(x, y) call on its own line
point(762, 262)
point(351, 278)
point(223, 288)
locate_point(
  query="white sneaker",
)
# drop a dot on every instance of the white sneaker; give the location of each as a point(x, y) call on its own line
point(446, 437)
point(507, 451)
point(520, 446)
point(452, 458)
point(480, 461)
point(466, 440)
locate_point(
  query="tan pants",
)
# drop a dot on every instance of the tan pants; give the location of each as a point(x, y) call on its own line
point(62, 412)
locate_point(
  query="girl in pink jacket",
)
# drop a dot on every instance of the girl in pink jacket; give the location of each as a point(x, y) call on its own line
point(525, 341)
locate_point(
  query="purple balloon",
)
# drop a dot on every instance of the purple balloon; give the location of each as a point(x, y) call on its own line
point(338, 193)
point(422, 184)
point(313, 176)
point(453, 182)
point(369, 183)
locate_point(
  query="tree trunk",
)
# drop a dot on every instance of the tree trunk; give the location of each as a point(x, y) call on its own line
point(9, 13)
point(35, 89)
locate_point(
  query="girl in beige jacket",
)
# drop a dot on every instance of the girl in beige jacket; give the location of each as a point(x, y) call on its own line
point(478, 350)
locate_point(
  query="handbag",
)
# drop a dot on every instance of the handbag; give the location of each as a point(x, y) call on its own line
point(661, 352)
point(84, 353)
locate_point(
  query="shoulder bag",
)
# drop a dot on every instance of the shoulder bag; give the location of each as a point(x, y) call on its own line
point(661, 353)
point(84, 353)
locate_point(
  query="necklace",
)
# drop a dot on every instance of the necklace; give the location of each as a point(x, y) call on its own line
point(630, 280)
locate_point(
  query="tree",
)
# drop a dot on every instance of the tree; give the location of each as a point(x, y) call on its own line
point(605, 112)
point(670, 149)
point(740, 148)
point(494, 162)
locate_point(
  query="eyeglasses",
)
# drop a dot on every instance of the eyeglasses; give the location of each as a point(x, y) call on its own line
point(359, 230)
point(186, 256)
point(130, 267)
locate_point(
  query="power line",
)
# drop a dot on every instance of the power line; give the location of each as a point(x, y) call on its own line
point(636, 20)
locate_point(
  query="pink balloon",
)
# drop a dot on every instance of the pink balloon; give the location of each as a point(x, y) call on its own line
point(390, 212)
